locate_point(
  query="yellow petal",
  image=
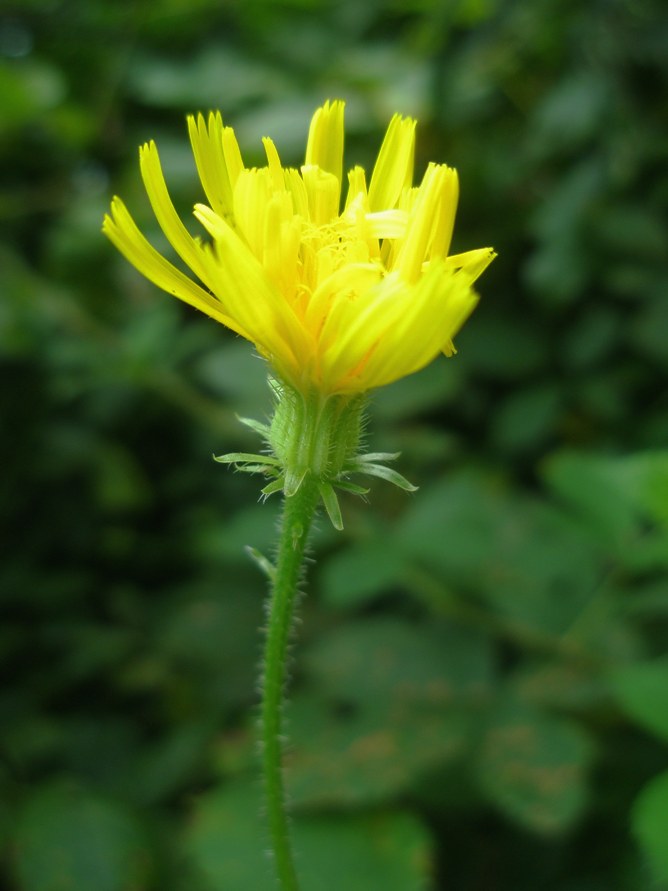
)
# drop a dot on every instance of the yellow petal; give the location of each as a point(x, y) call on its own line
point(323, 195)
point(274, 165)
point(207, 145)
point(324, 147)
point(356, 186)
point(344, 284)
point(295, 186)
point(472, 263)
point(251, 196)
point(403, 329)
point(233, 160)
point(122, 231)
point(354, 328)
point(387, 224)
point(413, 251)
point(177, 234)
point(393, 170)
point(215, 224)
point(240, 281)
point(336, 301)
point(281, 243)
point(444, 218)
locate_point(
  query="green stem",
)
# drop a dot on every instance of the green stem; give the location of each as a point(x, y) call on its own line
point(298, 514)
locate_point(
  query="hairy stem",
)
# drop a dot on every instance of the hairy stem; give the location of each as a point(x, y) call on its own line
point(298, 514)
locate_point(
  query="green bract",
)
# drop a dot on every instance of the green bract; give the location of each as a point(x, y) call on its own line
point(319, 437)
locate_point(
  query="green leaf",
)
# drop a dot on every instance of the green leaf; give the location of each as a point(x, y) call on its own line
point(563, 684)
point(28, 91)
point(209, 640)
point(430, 388)
point(642, 691)
point(525, 576)
point(394, 699)
point(225, 539)
point(647, 333)
point(360, 756)
point(388, 850)
point(360, 572)
point(649, 822)
point(572, 111)
point(229, 370)
point(388, 661)
point(155, 81)
point(528, 416)
point(68, 839)
point(532, 767)
point(453, 525)
point(227, 838)
point(617, 496)
point(508, 550)
point(504, 347)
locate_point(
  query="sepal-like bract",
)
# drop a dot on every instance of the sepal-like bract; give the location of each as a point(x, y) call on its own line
point(316, 437)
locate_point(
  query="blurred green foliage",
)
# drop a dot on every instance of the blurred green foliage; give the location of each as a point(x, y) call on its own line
point(480, 688)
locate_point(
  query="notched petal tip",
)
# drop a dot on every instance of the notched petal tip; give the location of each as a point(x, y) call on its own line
point(108, 220)
point(471, 264)
point(393, 170)
point(324, 146)
point(147, 149)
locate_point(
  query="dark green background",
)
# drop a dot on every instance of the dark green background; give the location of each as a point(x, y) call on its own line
point(480, 688)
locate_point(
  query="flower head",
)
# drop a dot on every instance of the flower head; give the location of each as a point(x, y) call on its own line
point(339, 297)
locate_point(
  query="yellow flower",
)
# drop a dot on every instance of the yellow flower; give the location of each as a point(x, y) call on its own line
point(340, 299)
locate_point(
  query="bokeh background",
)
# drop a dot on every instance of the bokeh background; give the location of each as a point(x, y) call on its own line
point(480, 690)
